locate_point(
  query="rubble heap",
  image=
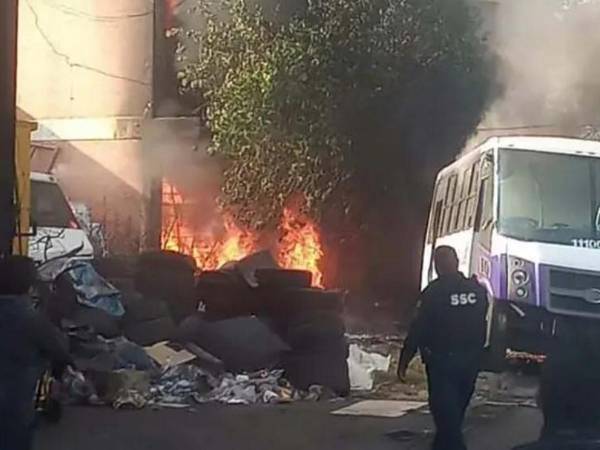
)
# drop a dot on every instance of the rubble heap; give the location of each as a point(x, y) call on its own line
point(156, 332)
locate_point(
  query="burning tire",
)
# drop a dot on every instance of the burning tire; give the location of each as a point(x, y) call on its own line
point(281, 278)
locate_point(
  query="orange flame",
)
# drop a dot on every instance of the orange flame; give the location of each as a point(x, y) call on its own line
point(209, 251)
point(300, 245)
point(299, 240)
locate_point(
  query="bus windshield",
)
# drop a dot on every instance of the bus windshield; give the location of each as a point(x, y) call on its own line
point(549, 197)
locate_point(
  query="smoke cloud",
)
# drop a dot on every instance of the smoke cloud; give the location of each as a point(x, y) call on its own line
point(549, 63)
point(175, 151)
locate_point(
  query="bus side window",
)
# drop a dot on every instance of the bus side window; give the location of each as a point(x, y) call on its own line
point(450, 206)
point(456, 202)
point(443, 214)
point(462, 200)
point(473, 191)
point(485, 211)
point(434, 226)
point(436, 216)
point(437, 205)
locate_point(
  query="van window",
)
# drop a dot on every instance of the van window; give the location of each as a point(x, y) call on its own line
point(49, 207)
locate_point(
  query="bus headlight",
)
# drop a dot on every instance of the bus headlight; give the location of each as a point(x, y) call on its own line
point(517, 262)
point(520, 277)
point(521, 283)
point(522, 293)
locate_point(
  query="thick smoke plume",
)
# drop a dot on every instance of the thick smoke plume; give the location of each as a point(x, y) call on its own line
point(175, 151)
point(549, 63)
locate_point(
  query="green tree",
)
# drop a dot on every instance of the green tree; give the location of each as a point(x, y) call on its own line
point(336, 103)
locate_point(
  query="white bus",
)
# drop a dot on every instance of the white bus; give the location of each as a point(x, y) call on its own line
point(523, 213)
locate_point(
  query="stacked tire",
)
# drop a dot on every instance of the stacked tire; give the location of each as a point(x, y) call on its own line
point(310, 321)
point(168, 277)
point(319, 351)
point(223, 294)
point(147, 320)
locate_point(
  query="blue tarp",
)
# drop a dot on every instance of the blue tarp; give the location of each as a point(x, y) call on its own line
point(92, 290)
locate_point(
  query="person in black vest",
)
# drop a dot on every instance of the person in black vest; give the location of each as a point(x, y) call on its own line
point(28, 344)
point(450, 332)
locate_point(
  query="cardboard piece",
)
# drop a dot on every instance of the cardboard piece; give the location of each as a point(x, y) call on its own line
point(167, 356)
point(380, 408)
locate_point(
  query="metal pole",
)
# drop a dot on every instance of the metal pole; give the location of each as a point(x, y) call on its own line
point(8, 80)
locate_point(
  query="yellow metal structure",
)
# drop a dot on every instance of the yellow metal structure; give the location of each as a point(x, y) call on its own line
point(23, 185)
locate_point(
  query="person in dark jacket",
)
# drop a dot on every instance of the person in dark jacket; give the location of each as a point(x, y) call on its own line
point(28, 343)
point(449, 331)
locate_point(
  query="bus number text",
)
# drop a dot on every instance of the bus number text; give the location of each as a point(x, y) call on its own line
point(586, 243)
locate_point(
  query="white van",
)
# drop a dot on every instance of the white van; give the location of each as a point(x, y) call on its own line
point(56, 229)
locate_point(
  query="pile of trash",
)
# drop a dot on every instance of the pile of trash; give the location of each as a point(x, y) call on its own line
point(180, 386)
point(266, 387)
point(189, 384)
point(156, 332)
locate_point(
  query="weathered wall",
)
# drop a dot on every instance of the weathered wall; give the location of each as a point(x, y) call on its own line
point(88, 63)
point(84, 58)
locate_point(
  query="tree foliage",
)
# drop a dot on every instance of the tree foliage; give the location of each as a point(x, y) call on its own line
point(344, 97)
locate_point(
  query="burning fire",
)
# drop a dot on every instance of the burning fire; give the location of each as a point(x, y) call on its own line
point(299, 245)
point(209, 250)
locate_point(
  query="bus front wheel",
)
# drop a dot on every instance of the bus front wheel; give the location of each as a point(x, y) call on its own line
point(495, 354)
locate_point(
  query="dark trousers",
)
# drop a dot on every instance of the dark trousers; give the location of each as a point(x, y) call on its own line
point(451, 382)
point(17, 412)
point(16, 433)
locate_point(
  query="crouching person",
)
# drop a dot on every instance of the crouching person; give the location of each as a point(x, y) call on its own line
point(28, 343)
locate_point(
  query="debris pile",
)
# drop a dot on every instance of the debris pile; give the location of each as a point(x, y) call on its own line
point(153, 331)
point(179, 385)
point(267, 387)
point(184, 385)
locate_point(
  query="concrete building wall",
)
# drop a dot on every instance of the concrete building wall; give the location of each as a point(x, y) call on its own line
point(84, 58)
point(84, 74)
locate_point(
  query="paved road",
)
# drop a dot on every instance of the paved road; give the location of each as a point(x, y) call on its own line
point(293, 427)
